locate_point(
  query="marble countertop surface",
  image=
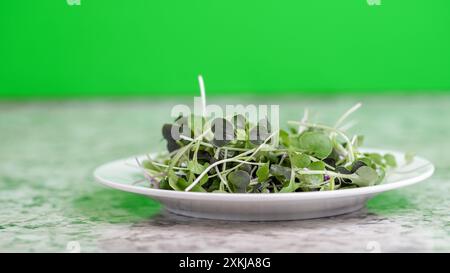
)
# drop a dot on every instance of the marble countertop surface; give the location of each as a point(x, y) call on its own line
point(49, 201)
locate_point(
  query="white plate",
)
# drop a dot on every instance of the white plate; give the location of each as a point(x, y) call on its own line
point(123, 174)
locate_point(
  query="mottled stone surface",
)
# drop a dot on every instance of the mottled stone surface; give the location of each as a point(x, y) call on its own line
point(48, 198)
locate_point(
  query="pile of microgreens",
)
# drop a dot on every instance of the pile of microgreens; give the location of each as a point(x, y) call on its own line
point(306, 157)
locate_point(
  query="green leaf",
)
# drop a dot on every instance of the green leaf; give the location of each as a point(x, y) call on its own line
point(356, 165)
point(180, 184)
point(390, 160)
point(284, 138)
point(240, 180)
point(263, 172)
point(344, 170)
point(366, 160)
point(317, 144)
point(195, 167)
point(313, 179)
point(164, 184)
point(299, 160)
point(215, 185)
point(377, 158)
point(291, 187)
point(245, 168)
point(204, 179)
point(272, 157)
point(366, 176)
point(294, 142)
point(317, 166)
point(173, 181)
point(280, 171)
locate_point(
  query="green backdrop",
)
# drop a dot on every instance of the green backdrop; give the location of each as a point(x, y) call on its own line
point(136, 47)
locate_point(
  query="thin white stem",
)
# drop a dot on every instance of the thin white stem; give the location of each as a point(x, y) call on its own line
point(179, 154)
point(347, 126)
point(253, 182)
point(301, 128)
point(347, 113)
point(292, 180)
point(340, 149)
point(167, 166)
point(354, 139)
point(283, 157)
point(202, 135)
point(224, 166)
point(201, 83)
point(225, 172)
point(249, 163)
point(222, 178)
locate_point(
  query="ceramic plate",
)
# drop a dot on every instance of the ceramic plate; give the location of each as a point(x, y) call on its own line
point(123, 174)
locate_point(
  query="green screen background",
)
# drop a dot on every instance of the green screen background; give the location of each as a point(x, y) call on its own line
point(154, 47)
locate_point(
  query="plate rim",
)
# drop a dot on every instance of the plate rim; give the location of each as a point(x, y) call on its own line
point(371, 190)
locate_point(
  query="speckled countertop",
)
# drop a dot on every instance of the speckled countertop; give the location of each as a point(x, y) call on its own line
point(49, 201)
